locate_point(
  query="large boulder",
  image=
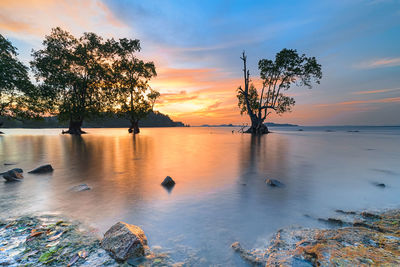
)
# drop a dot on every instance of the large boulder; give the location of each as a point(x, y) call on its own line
point(125, 241)
point(13, 175)
point(42, 169)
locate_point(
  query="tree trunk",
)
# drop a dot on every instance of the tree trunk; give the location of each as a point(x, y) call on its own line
point(134, 127)
point(75, 127)
point(257, 124)
point(257, 127)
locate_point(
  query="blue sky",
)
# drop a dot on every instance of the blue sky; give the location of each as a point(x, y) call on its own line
point(196, 47)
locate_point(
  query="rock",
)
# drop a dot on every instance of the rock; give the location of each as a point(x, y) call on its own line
point(346, 212)
point(248, 256)
point(369, 215)
point(81, 187)
point(13, 175)
point(236, 246)
point(168, 182)
point(125, 241)
point(274, 183)
point(380, 185)
point(42, 169)
point(365, 243)
point(333, 221)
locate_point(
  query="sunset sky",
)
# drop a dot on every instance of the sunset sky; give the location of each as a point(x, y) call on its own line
point(196, 47)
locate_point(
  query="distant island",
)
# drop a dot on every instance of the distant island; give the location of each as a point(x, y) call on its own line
point(268, 124)
point(153, 119)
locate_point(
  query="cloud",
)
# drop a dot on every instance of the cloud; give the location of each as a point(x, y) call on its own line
point(197, 96)
point(379, 63)
point(357, 102)
point(173, 98)
point(9, 24)
point(33, 19)
point(375, 91)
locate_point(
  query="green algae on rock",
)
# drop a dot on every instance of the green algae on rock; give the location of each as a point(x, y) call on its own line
point(49, 240)
point(372, 239)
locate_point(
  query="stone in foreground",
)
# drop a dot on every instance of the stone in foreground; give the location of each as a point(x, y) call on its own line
point(42, 169)
point(168, 182)
point(125, 241)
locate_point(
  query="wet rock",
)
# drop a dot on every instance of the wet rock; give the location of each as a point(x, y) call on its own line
point(332, 221)
point(346, 212)
point(77, 246)
point(125, 241)
point(13, 175)
point(368, 242)
point(274, 183)
point(42, 169)
point(81, 187)
point(369, 215)
point(248, 256)
point(19, 170)
point(236, 246)
point(168, 182)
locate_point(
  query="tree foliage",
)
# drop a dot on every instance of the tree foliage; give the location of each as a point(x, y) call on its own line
point(88, 77)
point(133, 95)
point(16, 88)
point(277, 76)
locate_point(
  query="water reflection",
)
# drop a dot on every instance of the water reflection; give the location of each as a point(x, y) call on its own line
point(220, 194)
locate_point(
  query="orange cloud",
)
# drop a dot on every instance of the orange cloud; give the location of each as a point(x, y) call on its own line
point(27, 19)
point(356, 102)
point(204, 95)
point(376, 91)
point(9, 24)
point(208, 96)
point(378, 63)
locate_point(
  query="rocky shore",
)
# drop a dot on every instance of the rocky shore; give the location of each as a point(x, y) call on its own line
point(356, 239)
point(352, 239)
point(50, 240)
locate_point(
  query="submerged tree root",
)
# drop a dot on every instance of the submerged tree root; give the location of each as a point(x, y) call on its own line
point(73, 132)
point(372, 239)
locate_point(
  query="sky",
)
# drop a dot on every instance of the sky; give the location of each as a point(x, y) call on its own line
point(196, 47)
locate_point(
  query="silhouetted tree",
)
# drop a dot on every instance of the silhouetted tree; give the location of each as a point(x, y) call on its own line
point(15, 86)
point(134, 99)
point(73, 75)
point(277, 76)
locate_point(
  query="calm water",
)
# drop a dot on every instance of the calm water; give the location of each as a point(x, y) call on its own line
point(220, 196)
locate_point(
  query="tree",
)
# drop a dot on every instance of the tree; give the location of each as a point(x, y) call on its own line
point(133, 95)
point(73, 75)
point(15, 85)
point(277, 76)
